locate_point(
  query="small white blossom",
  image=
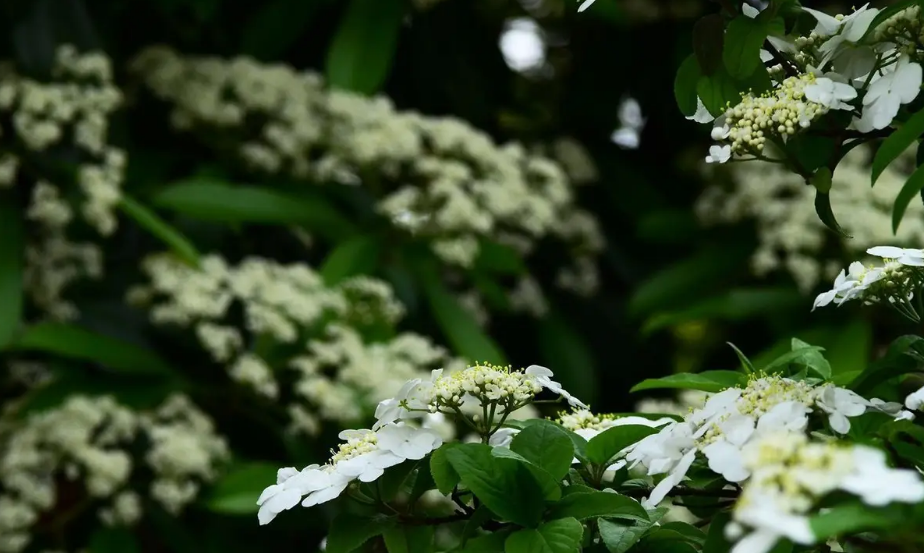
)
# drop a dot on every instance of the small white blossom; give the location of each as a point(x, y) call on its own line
point(898, 84)
point(830, 94)
point(915, 400)
point(719, 154)
point(543, 377)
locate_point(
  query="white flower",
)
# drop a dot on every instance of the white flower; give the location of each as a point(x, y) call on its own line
point(720, 132)
point(915, 401)
point(503, 437)
point(719, 154)
point(898, 85)
point(660, 452)
point(877, 484)
point(408, 442)
point(749, 10)
point(674, 477)
point(278, 497)
point(830, 94)
point(906, 256)
point(848, 29)
point(414, 394)
point(724, 454)
point(543, 377)
point(840, 403)
point(770, 526)
point(585, 5)
point(291, 486)
point(702, 114)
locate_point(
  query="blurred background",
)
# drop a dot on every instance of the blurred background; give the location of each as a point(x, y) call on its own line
point(230, 229)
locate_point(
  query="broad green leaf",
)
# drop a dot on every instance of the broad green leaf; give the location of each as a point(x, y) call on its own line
point(812, 152)
point(423, 482)
point(409, 539)
point(679, 530)
point(718, 91)
point(445, 477)
point(506, 486)
point(598, 504)
point(11, 270)
point(160, 229)
point(499, 258)
point(905, 355)
point(360, 56)
point(706, 381)
point(744, 38)
point(356, 256)
point(460, 328)
point(349, 531)
point(215, 200)
point(490, 543)
point(276, 27)
point(716, 542)
point(811, 358)
point(237, 490)
point(849, 350)
point(620, 537)
point(791, 357)
point(561, 345)
point(550, 486)
point(78, 343)
point(557, 536)
point(912, 187)
point(685, 84)
point(393, 481)
point(605, 445)
point(896, 144)
point(708, 40)
point(733, 305)
point(824, 212)
point(547, 446)
point(854, 517)
point(113, 540)
point(743, 359)
point(481, 515)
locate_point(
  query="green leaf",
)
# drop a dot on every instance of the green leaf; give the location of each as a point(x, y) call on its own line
point(237, 490)
point(409, 539)
point(160, 229)
point(910, 189)
point(905, 355)
point(791, 357)
point(607, 444)
point(619, 537)
point(547, 446)
point(811, 358)
point(718, 91)
point(896, 144)
point(557, 536)
point(392, 482)
point(445, 477)
point(423, 482)
point(706, 381)
point(562, 345)
point(716, 542)
point(461, 330)
point(356, 256)
point(11, 271)
point(78, 343)
point(491, 543)
point(349, 531)
point(506, 486)
point(850, 347)
point(812, 152)
point(732, 305)
point(499, 258)
point(685, 84)
point(678, 530)
point(113, 540)
point(360, 56)
point(708, 40)
point(551, 487)
point(481, 515)
point(823, 209)
point(854, 517)
point(743, 359)
point(598, 504)
point(743, 39)
point(276, 27)
point(215, 200)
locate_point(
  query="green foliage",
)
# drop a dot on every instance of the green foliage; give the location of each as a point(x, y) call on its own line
point(409, 539)
point(912, 188)
point(11, 276)
point(356, 256)
point(823, 209)
point(361, 54)
point(556, 536)
point(350, 531)
point(744, 37)
point(707, 381)
point(114, 540)
point(236, 492)
point(159, 228)
point(896, 144)
point(598, 504)
point(708, 41)
point(685, 85)
point(547, 446)
point(605, 445)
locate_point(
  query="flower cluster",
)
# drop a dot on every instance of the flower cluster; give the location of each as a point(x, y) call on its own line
point(897, 282)
point(71, 112)
point(338, 374)
point(731, 419)
point(790, 474)
point(91, 440)
point(792, 238)
point(363, 457)
point(435, 177)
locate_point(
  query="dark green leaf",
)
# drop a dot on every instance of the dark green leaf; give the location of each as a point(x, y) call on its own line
point(113, 540)
point(718, 91)
point(854, 517)
point(598, 504)
point(393, 481)
point(214, 200)
point(811, 358)
point(897, 143)
point(547, 446)
point(685, 84)
point(491, 543)
point(349, 531)
point(708, 39)
point(499, 258)
point(716, 542)
point(823, 209)
point(409, 539)
point(679, 530)
point(605, 445)
point(744, 38)
point(481, 515)
point(237, 490)
point(910, 189)
point(791, 357)
point(743, 359)
point(561, 345)
point(356, 256)
point(359, 58)
point(620, 537)
point(850, 349)
point(423, 482)
point(276, 27)
point(812, 152)
point(445, 477)
point(732, 305)
point(506, 486)
point(551, 487)
point(160, 229)
point(78, 343)
point(706, 381)
point(557, 536)
point(11, 271)
point(905, 355)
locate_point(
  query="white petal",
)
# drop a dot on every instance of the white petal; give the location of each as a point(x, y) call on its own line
point(749, 10)
point(827, 25)
point(885, 252)
point(839, 423)
point(585, 5)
